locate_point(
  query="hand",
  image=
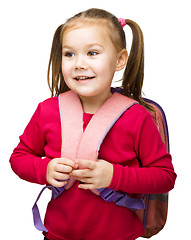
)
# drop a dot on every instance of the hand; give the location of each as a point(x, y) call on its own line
point(97, 174)
point(58, 171)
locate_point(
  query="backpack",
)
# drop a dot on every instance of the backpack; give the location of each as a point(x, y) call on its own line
point(154, 215)
point(151, 208)
point(156, 205)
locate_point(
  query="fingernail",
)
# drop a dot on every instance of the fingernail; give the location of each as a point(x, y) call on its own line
point(76, 165)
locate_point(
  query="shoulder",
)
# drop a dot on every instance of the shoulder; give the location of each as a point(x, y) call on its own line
point(49, 104)
point(48, 109)
point(138, 109)
point(137, 112)
point(136, 118)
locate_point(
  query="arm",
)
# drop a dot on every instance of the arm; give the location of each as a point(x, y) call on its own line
point(28, 159)
point(156, 174)
point(37, 156)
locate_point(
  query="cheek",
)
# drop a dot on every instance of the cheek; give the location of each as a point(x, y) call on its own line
point(99, 68)
point(106, 65)
point(65, 70)
point(66, 74)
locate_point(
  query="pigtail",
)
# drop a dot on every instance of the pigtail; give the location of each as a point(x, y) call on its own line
point(134, 71)
point(56, 84)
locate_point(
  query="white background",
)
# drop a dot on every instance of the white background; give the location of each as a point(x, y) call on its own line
point(27, 28)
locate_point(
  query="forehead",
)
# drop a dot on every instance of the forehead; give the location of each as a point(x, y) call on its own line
point(86, 32)
point(84, 22)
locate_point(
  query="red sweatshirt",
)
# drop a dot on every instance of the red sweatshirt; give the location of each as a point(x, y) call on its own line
point(80, 214)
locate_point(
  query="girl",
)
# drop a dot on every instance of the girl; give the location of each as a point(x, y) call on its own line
point(86, 52)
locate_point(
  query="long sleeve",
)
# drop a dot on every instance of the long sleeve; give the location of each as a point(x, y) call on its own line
point(156, 175)
point(36, 148)
point(134, 138)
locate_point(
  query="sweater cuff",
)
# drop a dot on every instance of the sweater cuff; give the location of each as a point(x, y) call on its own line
point(44, 171)
point(116, 177)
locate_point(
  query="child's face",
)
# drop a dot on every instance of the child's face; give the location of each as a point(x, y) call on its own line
point(89, 60)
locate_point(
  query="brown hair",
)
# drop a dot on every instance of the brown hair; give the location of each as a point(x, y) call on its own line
point(132, 80)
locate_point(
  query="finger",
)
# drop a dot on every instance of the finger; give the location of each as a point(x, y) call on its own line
point(61, 176)
point(66, 161)
point(85, 180)
point(56, 183)
point(81, 173)
point(86, 186)
point(86, 163)
point(63, 168)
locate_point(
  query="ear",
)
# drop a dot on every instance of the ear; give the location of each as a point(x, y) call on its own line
point(122, 60)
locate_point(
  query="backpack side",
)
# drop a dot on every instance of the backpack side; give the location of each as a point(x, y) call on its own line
point(156, 205)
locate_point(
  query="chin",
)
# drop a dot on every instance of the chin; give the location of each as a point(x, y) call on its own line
point(86, 92)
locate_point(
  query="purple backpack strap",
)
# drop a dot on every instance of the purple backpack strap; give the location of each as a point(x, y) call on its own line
point(121, 199)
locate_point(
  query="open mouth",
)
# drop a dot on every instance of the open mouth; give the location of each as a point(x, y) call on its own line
point(83, 78)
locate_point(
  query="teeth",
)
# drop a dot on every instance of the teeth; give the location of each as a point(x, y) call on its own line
point(83, 78)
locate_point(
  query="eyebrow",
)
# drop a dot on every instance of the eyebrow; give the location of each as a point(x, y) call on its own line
point(88, 46)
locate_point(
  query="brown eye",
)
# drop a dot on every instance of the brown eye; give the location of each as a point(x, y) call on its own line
point(92, 53)
point(69, 54)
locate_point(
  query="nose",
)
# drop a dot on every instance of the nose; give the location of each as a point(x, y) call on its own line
point(80, 63)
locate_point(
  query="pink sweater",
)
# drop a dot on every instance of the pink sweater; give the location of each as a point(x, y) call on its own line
point(80, 214)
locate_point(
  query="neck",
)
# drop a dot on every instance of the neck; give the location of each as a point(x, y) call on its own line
point(92, 104)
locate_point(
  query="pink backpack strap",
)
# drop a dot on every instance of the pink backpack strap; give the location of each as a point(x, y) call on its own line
point(78, 144)
point(71, 115)
point(75, 143)
point(100, 124)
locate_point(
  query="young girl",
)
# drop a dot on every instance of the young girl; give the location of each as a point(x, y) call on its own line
point(86, 52)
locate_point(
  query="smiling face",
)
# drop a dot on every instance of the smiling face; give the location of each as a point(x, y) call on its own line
point(89, 61)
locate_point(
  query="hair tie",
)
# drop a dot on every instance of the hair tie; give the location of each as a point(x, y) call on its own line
point(122, 21)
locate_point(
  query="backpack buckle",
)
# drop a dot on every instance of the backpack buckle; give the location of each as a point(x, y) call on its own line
point(109, 194)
